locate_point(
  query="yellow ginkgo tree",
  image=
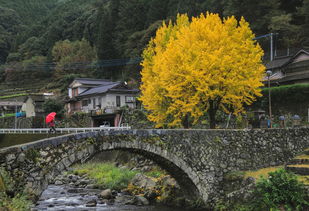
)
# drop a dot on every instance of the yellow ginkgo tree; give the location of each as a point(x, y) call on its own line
point(200, 66)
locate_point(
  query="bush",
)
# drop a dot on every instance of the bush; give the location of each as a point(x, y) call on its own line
point(280, 190)
point(52, 105)
point(11, 202)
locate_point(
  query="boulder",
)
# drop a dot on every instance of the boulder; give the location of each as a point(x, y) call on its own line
point(169, 181)
point(143, 181)
point(142, 200)
point(126, 199)
point(92, 203)
point(58, 182)
point(106, 194)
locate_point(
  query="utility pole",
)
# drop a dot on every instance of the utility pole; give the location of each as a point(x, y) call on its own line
point(271, 47)
point(271, 35)
point(15, 123)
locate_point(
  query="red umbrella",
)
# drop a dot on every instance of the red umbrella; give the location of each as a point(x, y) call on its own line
point(50, 117)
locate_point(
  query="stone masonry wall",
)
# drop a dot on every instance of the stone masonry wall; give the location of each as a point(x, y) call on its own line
point(197, 159)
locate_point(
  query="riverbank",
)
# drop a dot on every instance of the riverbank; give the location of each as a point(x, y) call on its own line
point(103, 186)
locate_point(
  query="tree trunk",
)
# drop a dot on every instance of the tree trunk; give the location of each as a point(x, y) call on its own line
point(186, 122)
point(212, 116)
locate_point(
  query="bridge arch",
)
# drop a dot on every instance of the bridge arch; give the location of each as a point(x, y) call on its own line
point(197, 159)
point(176, 167)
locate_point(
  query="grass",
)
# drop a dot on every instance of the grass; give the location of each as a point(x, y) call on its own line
point(13, 95)
point(261, 172)
point(300, 165)
point(302, 157)
point(106, 174)
point(303, 179)
point(155, 173)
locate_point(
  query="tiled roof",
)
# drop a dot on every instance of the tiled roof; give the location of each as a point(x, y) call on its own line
point(100, 89)
point(91, 81)
point(124, 90)
point(281, 61)
point(278, 62)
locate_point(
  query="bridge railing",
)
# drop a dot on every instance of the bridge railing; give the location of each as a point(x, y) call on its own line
point(59, 130)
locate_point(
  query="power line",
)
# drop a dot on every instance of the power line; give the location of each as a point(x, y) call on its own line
point(77, 65)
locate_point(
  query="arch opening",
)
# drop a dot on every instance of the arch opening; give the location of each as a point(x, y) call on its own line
point(186, 184)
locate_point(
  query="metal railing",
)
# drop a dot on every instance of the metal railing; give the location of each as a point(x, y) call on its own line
point(59, 130)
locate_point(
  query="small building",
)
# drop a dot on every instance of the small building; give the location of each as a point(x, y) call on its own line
point(33, 105)
point(100, 98)
point(10, 107)
point(291, 69)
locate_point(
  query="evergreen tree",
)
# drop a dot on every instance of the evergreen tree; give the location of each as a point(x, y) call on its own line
point(257, 13)
point(157, 10)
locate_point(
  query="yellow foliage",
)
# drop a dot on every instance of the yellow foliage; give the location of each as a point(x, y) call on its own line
point(193, 66)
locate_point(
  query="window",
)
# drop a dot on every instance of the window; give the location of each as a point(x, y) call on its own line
point(130, 99)
point(85, 103)
point(100, 102)
point(118, 101)
point(93, 103)
point(74, 92)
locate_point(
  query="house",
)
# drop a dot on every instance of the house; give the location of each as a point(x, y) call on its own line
point(33, 104)
point(100, 98)
point(10, 107)
point(291, 69)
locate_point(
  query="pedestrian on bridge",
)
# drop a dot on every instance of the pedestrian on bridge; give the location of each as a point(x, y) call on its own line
point(50, 121)
point(51, 126)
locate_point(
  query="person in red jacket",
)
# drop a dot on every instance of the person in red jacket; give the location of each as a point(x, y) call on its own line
point(51, 126)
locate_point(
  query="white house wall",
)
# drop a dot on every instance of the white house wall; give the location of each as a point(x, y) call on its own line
point(111, 100)
point(81, 89)
point(107, 101)
point(70, 92)
point(29, 108)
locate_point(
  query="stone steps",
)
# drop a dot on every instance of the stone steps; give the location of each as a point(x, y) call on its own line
point(301, 169)
point(300, 164)
point(302, 159)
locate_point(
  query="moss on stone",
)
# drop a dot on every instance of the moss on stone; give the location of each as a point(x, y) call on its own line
point(234, 175)
point(32, 155)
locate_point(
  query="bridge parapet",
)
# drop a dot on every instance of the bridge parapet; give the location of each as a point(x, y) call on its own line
point(197, 159)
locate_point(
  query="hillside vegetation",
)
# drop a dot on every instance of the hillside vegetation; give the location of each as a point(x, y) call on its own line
point(118, 29)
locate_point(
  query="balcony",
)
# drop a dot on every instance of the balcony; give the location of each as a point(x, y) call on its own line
point(107, 110)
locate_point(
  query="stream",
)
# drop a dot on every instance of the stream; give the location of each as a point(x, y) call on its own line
point(65, 197)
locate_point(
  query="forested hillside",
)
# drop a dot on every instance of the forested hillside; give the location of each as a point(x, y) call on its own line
point(105, 30)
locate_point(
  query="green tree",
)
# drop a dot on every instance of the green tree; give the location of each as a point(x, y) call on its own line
point(73, 57)
point(256, 12)
point(303, 12)
point(53, 105)
point(108, 19)
point(9, 25)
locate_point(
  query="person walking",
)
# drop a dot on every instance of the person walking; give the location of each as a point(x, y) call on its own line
point(50, 121)
point(51, 126)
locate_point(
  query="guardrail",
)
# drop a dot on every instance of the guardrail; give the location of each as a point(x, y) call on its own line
point(59, 130)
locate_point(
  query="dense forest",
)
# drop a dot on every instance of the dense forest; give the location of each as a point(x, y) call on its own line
point(43, 39)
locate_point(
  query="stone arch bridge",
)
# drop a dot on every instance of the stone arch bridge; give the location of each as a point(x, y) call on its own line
point(197, 159)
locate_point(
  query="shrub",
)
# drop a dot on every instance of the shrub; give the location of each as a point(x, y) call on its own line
point(7, 201)
point(280, 190)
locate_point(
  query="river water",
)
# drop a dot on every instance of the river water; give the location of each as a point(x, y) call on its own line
point(65, 198)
